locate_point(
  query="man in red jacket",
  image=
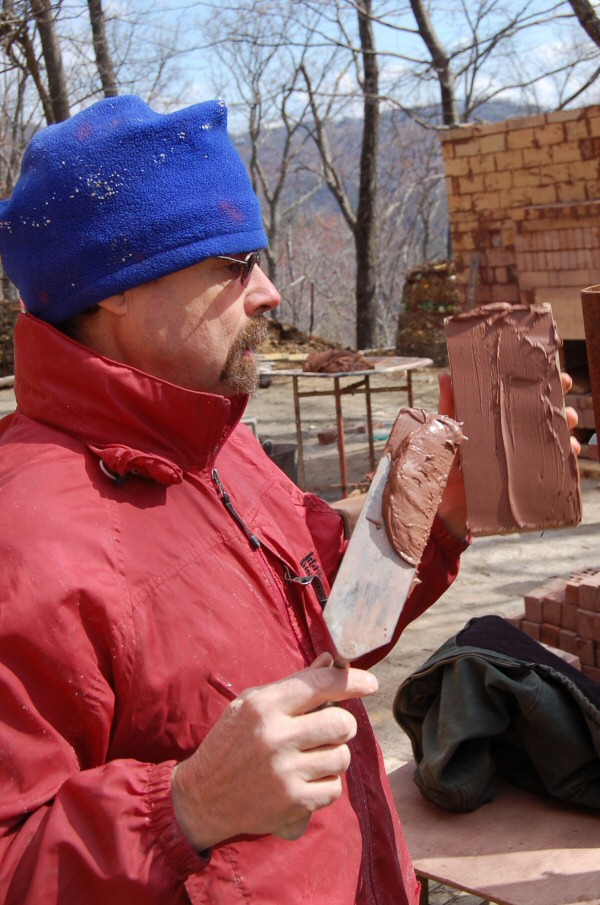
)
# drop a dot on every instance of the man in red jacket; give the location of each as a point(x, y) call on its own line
point(163, 658)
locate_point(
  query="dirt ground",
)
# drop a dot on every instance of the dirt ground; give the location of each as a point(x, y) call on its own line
point(496, 572)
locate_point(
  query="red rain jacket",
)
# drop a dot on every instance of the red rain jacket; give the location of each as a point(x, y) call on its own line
point(134, 607)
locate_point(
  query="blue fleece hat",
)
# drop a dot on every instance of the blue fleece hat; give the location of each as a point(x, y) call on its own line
point(120, 195)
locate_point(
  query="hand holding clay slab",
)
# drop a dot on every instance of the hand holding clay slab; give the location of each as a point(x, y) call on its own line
point(519, 469)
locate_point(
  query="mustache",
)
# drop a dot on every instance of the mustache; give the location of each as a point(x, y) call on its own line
point(255, 332)
point(239, 373)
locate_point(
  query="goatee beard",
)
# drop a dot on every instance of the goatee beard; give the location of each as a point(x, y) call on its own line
point(239, 372)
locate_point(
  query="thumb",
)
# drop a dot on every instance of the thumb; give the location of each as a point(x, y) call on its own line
point(323, 660)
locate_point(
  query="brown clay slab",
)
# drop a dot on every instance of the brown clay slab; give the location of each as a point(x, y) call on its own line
point(519, 470)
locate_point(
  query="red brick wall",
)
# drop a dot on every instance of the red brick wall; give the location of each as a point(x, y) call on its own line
point(524, 201)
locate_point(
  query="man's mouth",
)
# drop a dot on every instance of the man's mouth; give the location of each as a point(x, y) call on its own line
point(239, 371)
point(255, 333)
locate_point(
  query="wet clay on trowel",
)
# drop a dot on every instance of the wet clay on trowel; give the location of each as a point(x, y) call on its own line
point(519, 469)
point(422, 447)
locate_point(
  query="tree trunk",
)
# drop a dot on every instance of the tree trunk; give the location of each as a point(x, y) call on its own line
point(440, 60)
point(57, 85)
point(588, 19)
point(365, 232)
point(103, 58)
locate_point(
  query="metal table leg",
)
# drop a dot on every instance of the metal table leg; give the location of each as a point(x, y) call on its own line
point(300, 447)
point(340, 436)
point(369, 422)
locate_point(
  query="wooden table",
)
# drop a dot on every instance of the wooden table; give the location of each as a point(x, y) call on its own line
point(519, 849)
point(343, 383)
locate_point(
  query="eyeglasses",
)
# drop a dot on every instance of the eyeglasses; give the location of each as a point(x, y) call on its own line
point(245, 265)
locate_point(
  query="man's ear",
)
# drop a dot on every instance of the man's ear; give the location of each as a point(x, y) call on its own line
point(116, 304)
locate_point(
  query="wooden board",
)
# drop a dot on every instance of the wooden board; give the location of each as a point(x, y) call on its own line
point(520, 849)
point(381, 365)
point(566, 309)
point(590, 305)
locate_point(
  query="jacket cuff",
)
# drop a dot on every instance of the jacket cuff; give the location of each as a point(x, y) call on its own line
point(164, 825)
point(450, 546)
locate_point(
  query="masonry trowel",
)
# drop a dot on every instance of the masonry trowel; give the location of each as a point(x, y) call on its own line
point(376, 575)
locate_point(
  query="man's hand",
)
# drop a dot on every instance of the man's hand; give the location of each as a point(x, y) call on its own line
point(571, 414)
point(453, 507)
point(274, 757)
point(350, 508)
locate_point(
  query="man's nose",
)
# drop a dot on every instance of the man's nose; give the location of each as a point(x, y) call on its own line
point(261, 294)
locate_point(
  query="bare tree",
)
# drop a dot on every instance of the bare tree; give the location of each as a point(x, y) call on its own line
point(365, 231)
point(52, 60)
point(318, 263)
point(18, 45)
point(499, 52)
point(136, 50)
point(55, 74)
point(440, 61)
point(484, 64)
point(412, 219)
point(259, 56)
point(103, 56)
point(15, 126)
point(361, 217)
point(588, 19)
point(339, 73)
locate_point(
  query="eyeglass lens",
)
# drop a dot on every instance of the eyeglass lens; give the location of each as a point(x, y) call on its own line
point(248, 266)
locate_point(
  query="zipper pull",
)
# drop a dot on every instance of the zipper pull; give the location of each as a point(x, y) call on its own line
point(226, 500)
point(305, 580)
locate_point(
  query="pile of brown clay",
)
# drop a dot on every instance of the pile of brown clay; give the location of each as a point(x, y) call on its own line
point(422, 447)
point(519, 469)
point(332, 361)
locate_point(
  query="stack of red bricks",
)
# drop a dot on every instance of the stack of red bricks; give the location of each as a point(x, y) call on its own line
point(565, 614)
point(523, 196)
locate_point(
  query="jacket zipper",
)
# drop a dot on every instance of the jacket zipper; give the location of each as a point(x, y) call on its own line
point(303, 636)
point(305, 580)
point(289, 574)
point(226, 500)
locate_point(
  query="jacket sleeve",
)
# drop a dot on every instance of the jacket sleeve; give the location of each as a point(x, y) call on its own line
point(436, 572)
point(75, 828)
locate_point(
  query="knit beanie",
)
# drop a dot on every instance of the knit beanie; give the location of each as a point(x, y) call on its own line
point(119, 195)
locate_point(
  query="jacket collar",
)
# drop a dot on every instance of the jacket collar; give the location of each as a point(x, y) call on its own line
point(131, 420)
